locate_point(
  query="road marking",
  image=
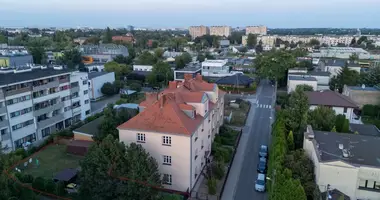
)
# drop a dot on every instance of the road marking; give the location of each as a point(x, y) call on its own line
point(270, 106)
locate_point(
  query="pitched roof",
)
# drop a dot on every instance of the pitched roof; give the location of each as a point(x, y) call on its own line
point(239, 79)
point(164, 112)
point(330, 98)
point(361, 148)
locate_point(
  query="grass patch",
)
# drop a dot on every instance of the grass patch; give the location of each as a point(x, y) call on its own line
point(238, 114)
point(52, 160)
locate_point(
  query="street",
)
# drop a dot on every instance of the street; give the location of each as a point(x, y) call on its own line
point(256, 132)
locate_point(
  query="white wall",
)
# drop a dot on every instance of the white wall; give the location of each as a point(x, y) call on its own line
point(97, 84)
point(292, 84)
point(82, 79)
point(142, 68)
point(339, 111)
point(334, 70)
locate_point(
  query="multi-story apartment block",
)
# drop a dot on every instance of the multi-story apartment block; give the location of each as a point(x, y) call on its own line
point(198, 31)
point(258, 30)
point(177, 127)
point(37, 102)
point(223, 31)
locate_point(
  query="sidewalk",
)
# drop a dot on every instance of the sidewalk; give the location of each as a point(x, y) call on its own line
point(233, 177)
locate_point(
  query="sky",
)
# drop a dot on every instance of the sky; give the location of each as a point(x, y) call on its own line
point(184, 13)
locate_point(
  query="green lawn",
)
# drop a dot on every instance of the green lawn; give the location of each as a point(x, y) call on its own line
point(52, 160)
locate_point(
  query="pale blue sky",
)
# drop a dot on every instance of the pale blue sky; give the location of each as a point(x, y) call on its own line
point(184, 13)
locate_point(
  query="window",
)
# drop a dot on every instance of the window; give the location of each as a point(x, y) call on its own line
point(141, 137)
point(84, 82)
point(345, 110)
point(166, 140)
point(202, 144)
point(369, 185)
point(3, 132)
point(65, 87)
point(167, 160)
point(87, 112)
point(196, 154)
point(18, 100)
point(45, 132)
point(196, 136)
point(362, 183)
point(29, 138)
point(87, 101)
point(377, 185)
point(21, 112)
point(23, 124)
point(66, 109)
point(66, 98)
point(167, 179)
point(85, 92)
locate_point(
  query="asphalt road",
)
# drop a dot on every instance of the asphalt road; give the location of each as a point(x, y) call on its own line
point(259, 134)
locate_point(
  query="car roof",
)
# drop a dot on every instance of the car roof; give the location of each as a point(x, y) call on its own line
point(260, 176)
point(264, 146)
point(262, 159)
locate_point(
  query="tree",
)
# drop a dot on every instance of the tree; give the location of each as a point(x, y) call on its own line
point(362, 39)
point(371, 77)
point(108, 89)
point(182, 60)
point(120, 70)
point(146, 58)
point(306, 88)
point(339, 122)
point(120, 59)
point(201, 57)
point(92, 40)
point(38, 54)
point(353, 42)
point(3, 39)
point(251, 41)
point(333, 129)
point(105, 165)
point(322, 118)
point(354, 57)
point(344, 77)
point(72, 58)
point(159, 53)
point(290, 141)
point(135, 86)
point(259, 47)
point(161, 74)
point(107, 36)
point(314, 42)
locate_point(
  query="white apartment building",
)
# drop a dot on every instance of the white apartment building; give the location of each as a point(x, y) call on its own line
point(294, 81)
point(346, 162)
point(217, 68)
point(339, 103)
point(96, 82)
point(322, 78)
point(35, 103)
point(334, 66)
point(148, 68)
point(198, 31)
point(223, 31)
point(177, 127)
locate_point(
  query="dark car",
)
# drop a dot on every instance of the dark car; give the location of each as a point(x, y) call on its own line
point(262, 166)
point(263, 152)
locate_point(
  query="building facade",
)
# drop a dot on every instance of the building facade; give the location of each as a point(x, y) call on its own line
point(35, 103)
point(294, 81)
point(363, 95)
point(96, 82)
point(177, 127)
point(102, 53)
point(257, 30)
point(223, 31)
point(198, 31)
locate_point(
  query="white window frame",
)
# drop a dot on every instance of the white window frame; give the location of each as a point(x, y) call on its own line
point(167, 160)
point(141, 137)
point(167, 140)
point(167, 179)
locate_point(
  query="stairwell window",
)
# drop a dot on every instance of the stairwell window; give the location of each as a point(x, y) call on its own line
point(141, 137)
point(167, 179)
point(166, 140)
point(167, 160)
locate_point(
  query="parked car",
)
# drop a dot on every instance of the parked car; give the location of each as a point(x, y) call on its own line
point(260, 183)
point(263, 152)
point(262, 166)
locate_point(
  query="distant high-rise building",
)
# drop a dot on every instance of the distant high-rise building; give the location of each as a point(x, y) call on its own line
point(258, 30)
point(198, 31)
point(220, 30)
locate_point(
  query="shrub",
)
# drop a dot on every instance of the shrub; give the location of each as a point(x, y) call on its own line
point(39, 183)
point(211, 184)
point(218, 170)
point(21, 152)
point(223, 154)
point(371, 110)
point(60, 188)
point(135, 86)
point(32, 150)
point(27, 178)
point(50, 186)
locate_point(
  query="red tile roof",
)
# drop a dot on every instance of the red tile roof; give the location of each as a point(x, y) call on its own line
point(164, 112)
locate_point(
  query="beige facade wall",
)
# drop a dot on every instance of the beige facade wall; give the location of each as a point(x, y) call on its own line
point(220, 31)
point(259, 30)
point(198, 31)
point(363, 97)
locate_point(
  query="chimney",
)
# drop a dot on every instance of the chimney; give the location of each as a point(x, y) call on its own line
point(198, 77)
point(162, 101)
point(172, 84)
point(188, 77)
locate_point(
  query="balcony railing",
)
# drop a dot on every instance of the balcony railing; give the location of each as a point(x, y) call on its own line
point(52, 84)
point(6, 136)
point(4, 123)
point(48, 109)
point(3, 109)
point(18, 91)
point(50, 121)
point(65, 80)
point(74, 89)
point(1, 94)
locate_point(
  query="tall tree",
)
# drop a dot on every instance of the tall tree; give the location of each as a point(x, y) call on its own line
point(159, 53)
point(371, 77)
point(121, 70)
point(251, 40)
point(354, 57)
point(72, 58)
point(290, 141)
point(259, 48)
point(182, 60)
point(314, 42)
point(353, 42)
point(161, 74)
point(107, 36)
point(344, 77)
point(146, 58)
point(322, 118)
point(105, 165)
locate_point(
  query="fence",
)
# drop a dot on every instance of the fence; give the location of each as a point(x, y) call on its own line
point(203, 196)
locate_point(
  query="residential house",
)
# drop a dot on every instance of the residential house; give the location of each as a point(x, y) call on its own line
point(192, 68)
point(363, 95)
point(322, 78)
point(217, 68)
point(177, 127)
point(334, 66)
point(294, 81)
point(339, 103)
point(96, 82)
point(346, 162)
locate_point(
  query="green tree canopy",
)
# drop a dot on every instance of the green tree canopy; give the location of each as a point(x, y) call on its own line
point(251, 40)
point(120, 70)
point(161, 74)
point(322, 118)
point(108, 161)
point(108, 89)
point(182, 60)
point(344, 77)
point(159, 52)
point(146, 58)
point(371, 77)
point(107, 36)
point(72, 58)
point(314, 42)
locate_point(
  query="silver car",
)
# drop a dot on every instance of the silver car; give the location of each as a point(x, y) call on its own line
point(260, 183)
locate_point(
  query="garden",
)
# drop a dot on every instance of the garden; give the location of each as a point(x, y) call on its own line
point(236, 112)
point(371, 115)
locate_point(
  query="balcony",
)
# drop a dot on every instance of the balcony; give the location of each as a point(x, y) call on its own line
point(65, 80)
point(48, 109)
point(4, 123)
point(52, 84)
point(6, 136)
point(50, 121)
point(74, 89)
point(76, 110)
point(1, 94)
point(18, 91)
point(3, 109)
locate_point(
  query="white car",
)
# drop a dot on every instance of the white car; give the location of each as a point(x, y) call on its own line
point(260, 183)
